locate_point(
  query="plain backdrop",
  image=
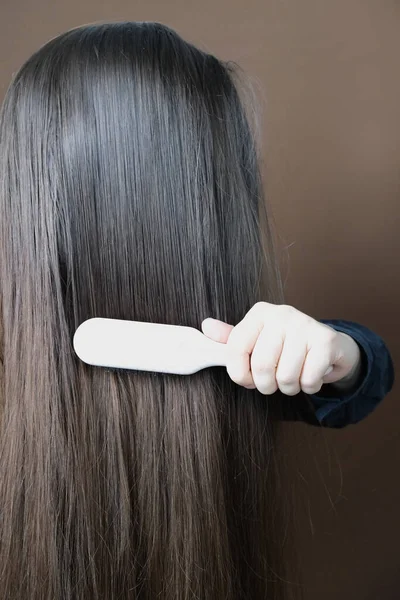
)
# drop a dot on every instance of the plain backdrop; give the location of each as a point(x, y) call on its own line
point(327, 73)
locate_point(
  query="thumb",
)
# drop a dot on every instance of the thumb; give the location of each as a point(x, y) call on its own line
point(216, 330)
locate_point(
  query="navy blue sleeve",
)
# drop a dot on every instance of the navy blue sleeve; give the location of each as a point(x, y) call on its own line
point(335, 410)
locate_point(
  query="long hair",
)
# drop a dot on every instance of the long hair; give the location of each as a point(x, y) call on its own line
point(130, 189)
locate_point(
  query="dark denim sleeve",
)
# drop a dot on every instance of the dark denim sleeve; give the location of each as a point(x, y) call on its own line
point(334, 410)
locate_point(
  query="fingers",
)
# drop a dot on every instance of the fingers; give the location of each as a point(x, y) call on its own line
point(264, 361)
point(238, 366)
point(316, 367)
point(241, 343)
point(291, 363)
point(288, 365)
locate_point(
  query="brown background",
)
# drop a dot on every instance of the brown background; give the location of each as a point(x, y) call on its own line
point(328, 72)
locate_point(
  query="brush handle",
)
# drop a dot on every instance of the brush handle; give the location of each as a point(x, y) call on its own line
point(139, 346)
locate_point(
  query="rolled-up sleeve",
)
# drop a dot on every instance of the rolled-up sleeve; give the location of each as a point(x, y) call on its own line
point(334, 408)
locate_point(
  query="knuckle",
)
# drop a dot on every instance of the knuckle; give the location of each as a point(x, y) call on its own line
point(328, 335)
point(286, 379)
point(293, 392)
point(287, 309)
point(309, 383)
point(264, 391)
point(294, 318)
point(267, 390)
point(259, 308)
point(235, 378)
point(261, 305)
point(308, 321)
point(263, 368)
point(238, 375)
point(312, 389)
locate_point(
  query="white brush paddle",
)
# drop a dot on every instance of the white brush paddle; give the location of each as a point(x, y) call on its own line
point(141, 346)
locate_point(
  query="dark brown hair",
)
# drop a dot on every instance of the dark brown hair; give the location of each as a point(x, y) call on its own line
point(130, 189)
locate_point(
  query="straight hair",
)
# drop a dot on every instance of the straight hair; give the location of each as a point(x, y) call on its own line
point(130, 189)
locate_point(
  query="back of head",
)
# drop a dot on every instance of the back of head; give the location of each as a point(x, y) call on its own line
point(130, 190)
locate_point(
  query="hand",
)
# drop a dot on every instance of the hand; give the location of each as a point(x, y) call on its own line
point(278, 347)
